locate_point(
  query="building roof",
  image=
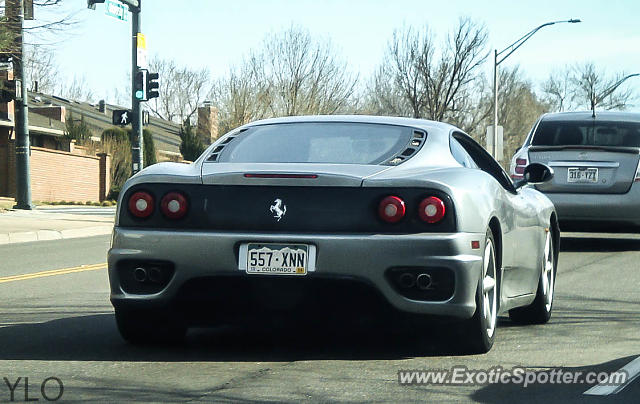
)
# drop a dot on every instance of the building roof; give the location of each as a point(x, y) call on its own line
point(165, 133)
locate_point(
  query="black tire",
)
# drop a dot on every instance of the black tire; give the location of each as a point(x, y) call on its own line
point(479, 332)
point(539, 312)
point(142, 327)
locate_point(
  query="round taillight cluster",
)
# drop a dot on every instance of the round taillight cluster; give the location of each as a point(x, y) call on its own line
point(431, 209)
point(392, 209)
point(141, 204)
point(174, 205)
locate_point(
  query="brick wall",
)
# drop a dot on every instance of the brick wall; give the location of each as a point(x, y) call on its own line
point(56, 175)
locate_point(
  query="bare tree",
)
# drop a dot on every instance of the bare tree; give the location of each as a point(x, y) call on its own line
point(303, 76)
point(583, 86)
point(291, 74)
point(6, 36)
point(76, 89)
point(557, 89)
point(51, 24)
point(42, 68)
point(240, 97)
point(419, 80)
point(591, 87)
point(182, 90)
point(519, 108)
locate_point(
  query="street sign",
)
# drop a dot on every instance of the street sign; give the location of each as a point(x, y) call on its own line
point(141, 50)
point(121, 117)
point(116, 9)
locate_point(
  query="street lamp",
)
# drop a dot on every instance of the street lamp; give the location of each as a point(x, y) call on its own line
point(497, 59)
point(608, 91)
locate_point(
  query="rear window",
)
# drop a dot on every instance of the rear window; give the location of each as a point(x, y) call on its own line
point(338, 143)
point(587, 133)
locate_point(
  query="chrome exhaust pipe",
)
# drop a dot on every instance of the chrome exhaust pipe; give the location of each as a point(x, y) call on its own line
point(140, 274)
point(423, 281)
point(407, 280)
point(155, 275)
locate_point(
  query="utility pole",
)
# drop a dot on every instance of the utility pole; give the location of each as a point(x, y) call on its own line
point(23, 149)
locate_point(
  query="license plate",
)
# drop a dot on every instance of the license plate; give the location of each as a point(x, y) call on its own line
point(582, 175)
point(277, 259)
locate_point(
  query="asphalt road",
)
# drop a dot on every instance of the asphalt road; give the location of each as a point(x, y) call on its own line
point(62, 326)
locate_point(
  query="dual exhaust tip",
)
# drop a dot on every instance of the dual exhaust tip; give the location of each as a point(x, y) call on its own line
point(422, 281)
point(152, 274)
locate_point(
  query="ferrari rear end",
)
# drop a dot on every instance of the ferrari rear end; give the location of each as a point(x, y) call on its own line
point(251, 237)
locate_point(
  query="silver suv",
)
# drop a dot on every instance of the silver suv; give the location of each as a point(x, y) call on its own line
point(595, 162)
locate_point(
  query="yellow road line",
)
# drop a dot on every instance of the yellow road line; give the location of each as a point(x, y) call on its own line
point(53, 272)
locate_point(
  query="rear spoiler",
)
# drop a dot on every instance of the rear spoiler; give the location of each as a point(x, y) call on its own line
point(616, 149)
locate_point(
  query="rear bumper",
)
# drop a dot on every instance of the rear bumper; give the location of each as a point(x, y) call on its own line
point(612, 209)
point(201, 258)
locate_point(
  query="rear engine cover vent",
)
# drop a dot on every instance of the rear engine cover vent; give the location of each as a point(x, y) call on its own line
point(218, 149)
point(416, 142)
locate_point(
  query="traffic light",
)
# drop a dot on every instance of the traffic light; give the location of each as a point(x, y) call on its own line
point(140, 85)
point(152, 85)
point(8, 91)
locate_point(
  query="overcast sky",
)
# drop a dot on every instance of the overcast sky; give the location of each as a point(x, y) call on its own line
point(216, 34)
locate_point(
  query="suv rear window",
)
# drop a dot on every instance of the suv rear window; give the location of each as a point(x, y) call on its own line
point(587, 133)
point(311, 142)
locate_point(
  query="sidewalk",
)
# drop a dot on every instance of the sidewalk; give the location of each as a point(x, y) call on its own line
point(20, 226)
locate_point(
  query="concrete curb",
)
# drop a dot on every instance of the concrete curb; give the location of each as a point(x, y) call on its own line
point(42, 235)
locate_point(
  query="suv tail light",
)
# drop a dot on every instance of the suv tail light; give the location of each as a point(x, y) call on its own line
point(174, 205)
point(431, 209)
point(391, 209)
point(141, 204)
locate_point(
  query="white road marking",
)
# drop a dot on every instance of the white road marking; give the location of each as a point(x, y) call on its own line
point(633, 370)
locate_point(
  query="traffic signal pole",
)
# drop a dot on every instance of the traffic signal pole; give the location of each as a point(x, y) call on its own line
point(137, 142)
point(23, 148)
point(138, 92)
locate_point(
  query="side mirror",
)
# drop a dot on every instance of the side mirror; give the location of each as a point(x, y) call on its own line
point(535, 173)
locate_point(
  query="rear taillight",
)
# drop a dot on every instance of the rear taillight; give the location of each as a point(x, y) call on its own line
point(431, 209)
point(391, 209)
point(141, 204)
point(174, 205)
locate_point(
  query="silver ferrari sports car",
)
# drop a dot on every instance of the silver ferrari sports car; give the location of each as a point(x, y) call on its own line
point(322, 217)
